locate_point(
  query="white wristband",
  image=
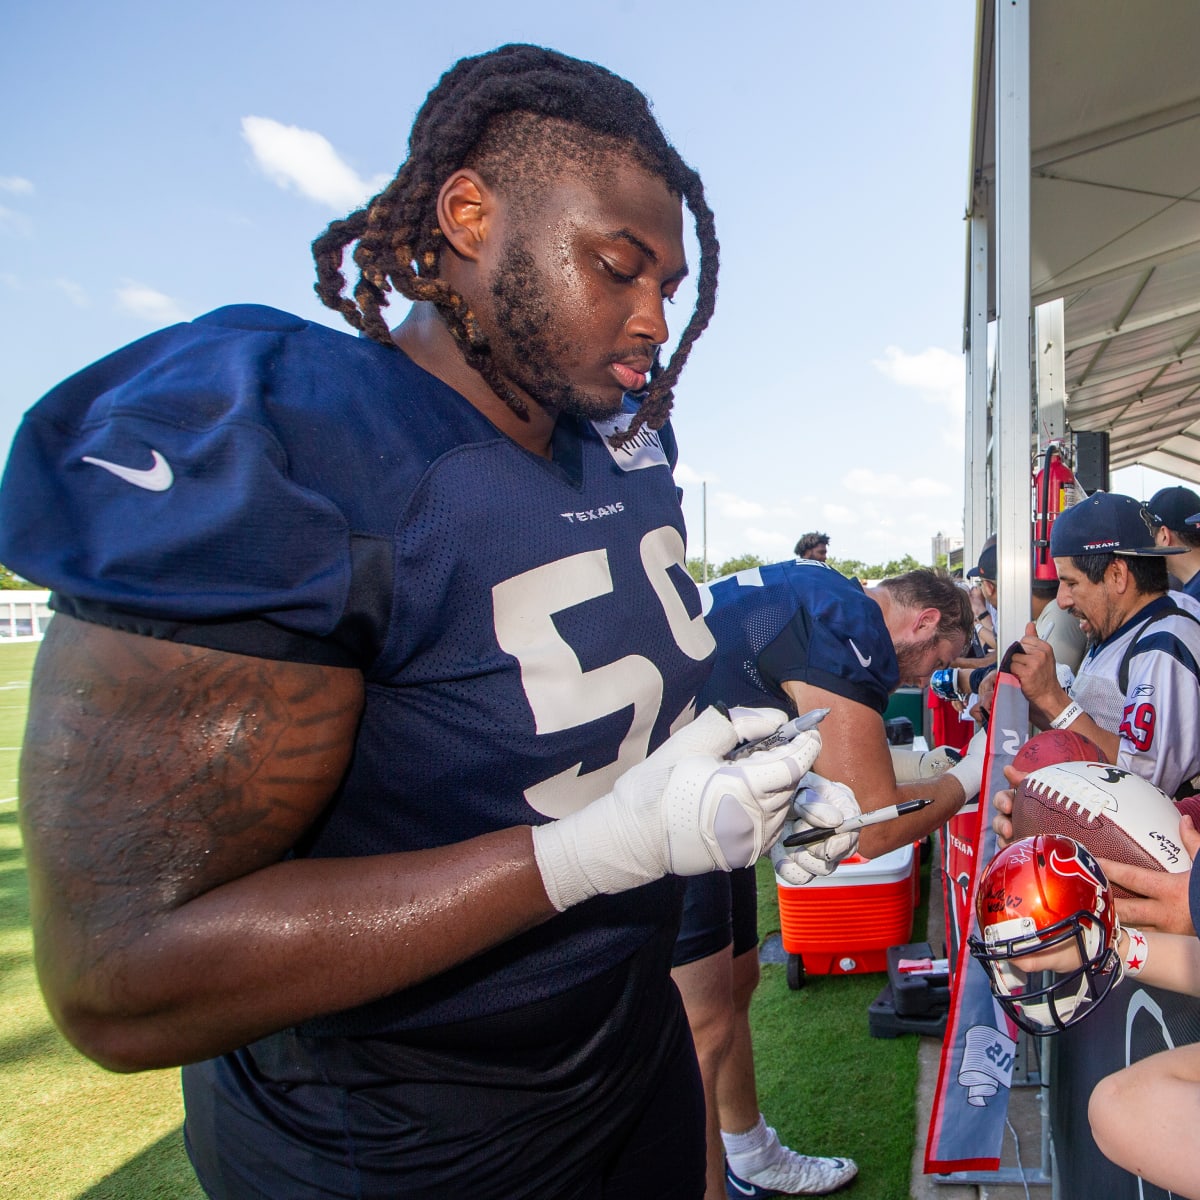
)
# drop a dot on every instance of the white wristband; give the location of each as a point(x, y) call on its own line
point(1137, 953)
point(1067, 715)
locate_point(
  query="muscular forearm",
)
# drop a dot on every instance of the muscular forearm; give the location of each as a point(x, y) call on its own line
point(1048, 699)
point(286, 943)
point(947, 795)
point(162, 788)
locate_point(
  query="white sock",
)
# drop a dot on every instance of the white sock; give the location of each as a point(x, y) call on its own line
point(750, 1152)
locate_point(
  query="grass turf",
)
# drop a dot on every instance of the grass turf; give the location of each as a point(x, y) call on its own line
point(824, 1083)
point(73, 1130)
point(70, 1129)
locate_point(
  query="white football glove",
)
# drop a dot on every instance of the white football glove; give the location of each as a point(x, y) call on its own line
point(969, 769)
point(913, 765)
point(823, 804)
point(684, 811)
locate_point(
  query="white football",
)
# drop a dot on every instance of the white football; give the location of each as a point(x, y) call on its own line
point(1114, 813)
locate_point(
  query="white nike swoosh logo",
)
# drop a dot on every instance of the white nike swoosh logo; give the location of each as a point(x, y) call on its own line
point(733, 1183)
point(866, 662)
point(154, 479)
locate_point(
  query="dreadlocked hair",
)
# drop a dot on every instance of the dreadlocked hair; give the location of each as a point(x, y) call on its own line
point(516, 115)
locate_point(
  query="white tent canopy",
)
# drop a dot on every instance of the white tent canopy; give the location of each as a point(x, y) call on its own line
point(1114, 211)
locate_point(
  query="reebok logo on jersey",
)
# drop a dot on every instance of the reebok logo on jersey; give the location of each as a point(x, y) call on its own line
point(866, 662)
point(155, 478)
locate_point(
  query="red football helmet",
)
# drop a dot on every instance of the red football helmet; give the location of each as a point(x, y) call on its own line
point(1037, 893)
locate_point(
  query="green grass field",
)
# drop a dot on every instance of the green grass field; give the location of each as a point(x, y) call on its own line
point(71, 1131)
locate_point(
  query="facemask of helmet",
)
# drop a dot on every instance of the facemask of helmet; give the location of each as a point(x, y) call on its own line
point(1038, 894)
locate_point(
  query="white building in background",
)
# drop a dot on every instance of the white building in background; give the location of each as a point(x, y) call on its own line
point(24, 615)
point(943, 543)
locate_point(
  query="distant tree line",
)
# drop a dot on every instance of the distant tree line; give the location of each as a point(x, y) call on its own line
point(853, 568)
point(9, 581)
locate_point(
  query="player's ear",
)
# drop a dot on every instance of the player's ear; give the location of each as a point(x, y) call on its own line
point(465, 209)
point(928, 619)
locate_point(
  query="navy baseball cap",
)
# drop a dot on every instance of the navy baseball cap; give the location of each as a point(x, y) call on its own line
point(986, 567)
point(1174, 507)
point(1106, 523)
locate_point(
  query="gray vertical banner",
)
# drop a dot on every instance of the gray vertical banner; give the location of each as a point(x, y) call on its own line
point(970, 1106)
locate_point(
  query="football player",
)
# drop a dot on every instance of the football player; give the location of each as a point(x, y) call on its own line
point(335, 785)
point(801, 635)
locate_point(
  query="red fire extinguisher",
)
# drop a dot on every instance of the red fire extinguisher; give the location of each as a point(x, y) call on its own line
point(1053, 490)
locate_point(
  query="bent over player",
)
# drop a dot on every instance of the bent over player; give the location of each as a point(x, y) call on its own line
point(801, 635)
point(336, 784)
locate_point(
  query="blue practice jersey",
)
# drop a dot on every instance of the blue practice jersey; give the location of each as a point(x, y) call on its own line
point(526, 628)
point(802, 622)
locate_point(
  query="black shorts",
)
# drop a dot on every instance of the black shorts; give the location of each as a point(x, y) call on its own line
point(718, 909)
point(593, 1095)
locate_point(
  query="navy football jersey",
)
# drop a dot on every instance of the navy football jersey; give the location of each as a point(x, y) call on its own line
point(526, 628)
point(798, 621)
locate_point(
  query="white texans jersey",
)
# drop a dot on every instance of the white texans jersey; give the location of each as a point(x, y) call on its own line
point(1156, 711)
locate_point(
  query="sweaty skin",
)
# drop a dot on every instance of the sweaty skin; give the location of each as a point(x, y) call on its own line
point(163, 784)
point(602, 269)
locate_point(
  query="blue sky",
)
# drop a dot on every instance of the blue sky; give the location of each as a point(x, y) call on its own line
point(161, 160)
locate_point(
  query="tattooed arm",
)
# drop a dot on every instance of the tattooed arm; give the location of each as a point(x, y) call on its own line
point(161, 785)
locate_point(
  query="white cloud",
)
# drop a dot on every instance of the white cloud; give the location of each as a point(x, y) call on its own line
point(305, 160)
point(73, 292)
point(729, 505)
point(154, 306)
point(936, 373)
point(685, 475)
point(770, 544)
point(16, 185)
point(17, 222)
point(864, 482)
point(838, 512)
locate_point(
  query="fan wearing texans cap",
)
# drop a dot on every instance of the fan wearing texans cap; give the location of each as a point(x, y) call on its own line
point(1174, 509)
point(1061, 630)
point(1137, 692)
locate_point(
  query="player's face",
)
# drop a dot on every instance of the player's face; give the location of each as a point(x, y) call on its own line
point(919, 659)
point(575, 313)
point(1090, 602)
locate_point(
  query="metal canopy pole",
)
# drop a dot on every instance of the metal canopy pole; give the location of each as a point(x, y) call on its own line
point(978, 515)
point(1049, 324)
point(1014, 441)
point(1014, 396)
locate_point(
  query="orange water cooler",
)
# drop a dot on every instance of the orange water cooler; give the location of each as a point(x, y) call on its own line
point(843, 924)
